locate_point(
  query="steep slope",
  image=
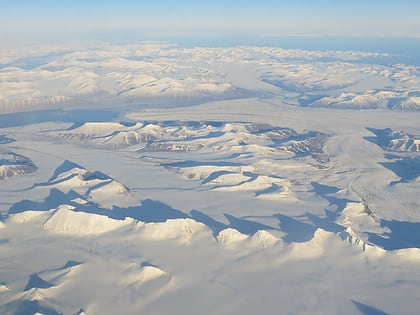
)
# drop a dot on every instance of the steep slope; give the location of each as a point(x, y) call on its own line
point(94, 186)
point(13, 164)
point(65, 220)
point(397, 141)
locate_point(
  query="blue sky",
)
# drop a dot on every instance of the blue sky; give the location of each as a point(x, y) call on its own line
point(166, 19)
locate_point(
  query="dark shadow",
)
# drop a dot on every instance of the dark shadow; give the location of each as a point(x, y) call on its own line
point(4, 139)
point(26, 307)
point(380, 133)
point(391, 140)
point(197, 163)
point(324, 191)
point(270, 190)
point(341, 203)
point(407, 169)
point(147, 264)
point(64, 167)
point(373, 140)
point(308, 99)
point(214, 225)
point(327, 223)
point(282, 84)
point(84, 176)
point(402, 235)
point(36, 282)
point(15, 164)
point(149, 211)
point(367, 310)
point(95, 175)
point(233, 156)
point(382, 136)
point(297, 231)
point(396, 102)
point(54, 199)
point(215, 175)
point(70, 263)
point(67, 166)
point(390, 156)
point(320, 189)
point(252, 177)
point(246, 226)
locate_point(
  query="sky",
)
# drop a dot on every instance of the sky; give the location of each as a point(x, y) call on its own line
point(97, 19)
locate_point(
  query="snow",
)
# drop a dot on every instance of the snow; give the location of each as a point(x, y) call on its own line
point(397, 141)
point(264, 238)
point(3, 288)
point(295, 172)
point(116, 75)
point(181, 230)
point(147, 273)
point(67, 221)
point(229, 235)
point(28, 215)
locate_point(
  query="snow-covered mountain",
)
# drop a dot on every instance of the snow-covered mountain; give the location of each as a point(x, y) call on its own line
point(184, 136)
point(265, 194)
point(183, 76)
point(397, 141)
point(13, 164)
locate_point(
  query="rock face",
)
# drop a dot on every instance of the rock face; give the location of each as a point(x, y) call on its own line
point(13, 164)
point(397, 141)
point(188, 136)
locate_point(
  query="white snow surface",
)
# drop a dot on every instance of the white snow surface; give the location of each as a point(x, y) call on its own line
point(290, 187)
point(153, 72)
point(65, 221)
